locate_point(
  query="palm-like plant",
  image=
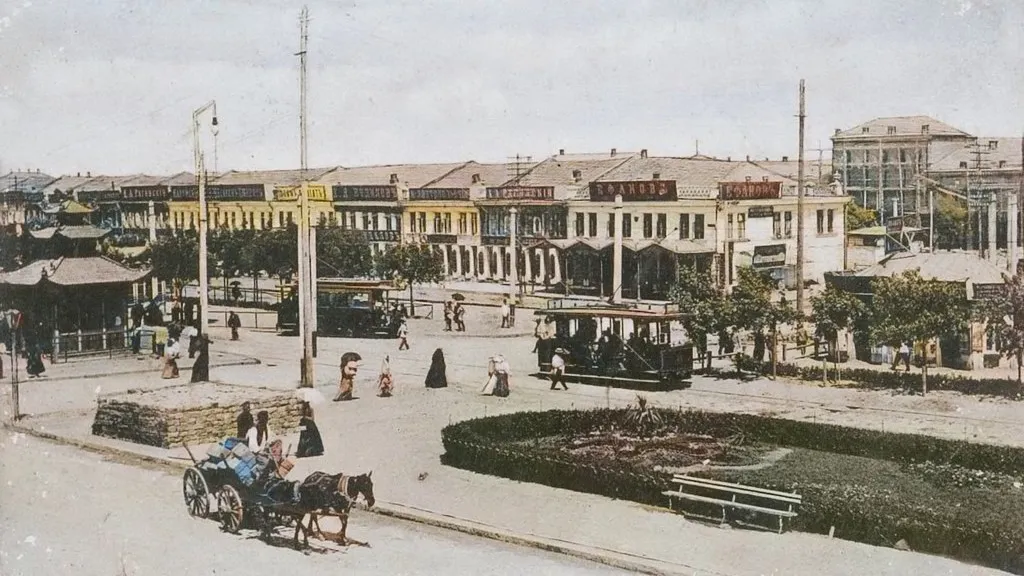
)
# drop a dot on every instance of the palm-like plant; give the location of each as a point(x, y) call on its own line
point(642, 419)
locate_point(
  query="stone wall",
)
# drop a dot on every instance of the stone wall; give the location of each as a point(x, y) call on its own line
point(148, 420)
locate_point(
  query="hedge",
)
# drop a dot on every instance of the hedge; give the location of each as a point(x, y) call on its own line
point(499, 446)
point(890, 380)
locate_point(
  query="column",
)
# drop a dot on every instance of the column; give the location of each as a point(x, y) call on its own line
point(528, 262)
point(992, 226)
point(499, 260)
point(556, 273)
point(458, 260)
point(543, 274)
point(513, 279)
point(486, 251)
point(444, 255)
point(1011, 233)
point(617, 253)
point(472, 262)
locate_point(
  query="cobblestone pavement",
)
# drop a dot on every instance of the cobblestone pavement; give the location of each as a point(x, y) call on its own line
point(63, 511)
point(399, 438)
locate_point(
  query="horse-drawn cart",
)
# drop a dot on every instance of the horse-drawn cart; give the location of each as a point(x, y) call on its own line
point(251, 492)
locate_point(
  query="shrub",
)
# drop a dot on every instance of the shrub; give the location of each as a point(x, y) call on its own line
point(642, 420)
point(862, 500)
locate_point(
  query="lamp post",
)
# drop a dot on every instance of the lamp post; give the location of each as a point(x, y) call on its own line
point(204, 313)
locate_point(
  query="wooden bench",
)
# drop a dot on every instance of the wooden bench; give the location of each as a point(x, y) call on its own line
point(780, 504)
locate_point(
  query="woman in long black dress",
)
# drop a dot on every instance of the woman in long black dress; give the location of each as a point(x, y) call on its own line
point(310, 442)
point(201, 369)
point(436, 377)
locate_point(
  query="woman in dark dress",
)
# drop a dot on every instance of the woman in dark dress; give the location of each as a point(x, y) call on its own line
point(201, 369)
point(35, 365)
point(310, 443)
point(436, 377)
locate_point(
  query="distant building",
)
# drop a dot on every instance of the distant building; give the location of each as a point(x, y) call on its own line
point(18, 191)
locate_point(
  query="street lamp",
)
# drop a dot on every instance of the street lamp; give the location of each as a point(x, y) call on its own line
point(204, 313)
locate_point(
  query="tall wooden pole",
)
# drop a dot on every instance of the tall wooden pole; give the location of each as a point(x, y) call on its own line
point(800, 211)
point(305, 277)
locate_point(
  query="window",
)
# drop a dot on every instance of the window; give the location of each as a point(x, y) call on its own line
point(462, 223)
point(903, 156)
point(627, 225)
point(472, 223)
point(831, 219)
point(849, 156)
point(423, 221)
point(865, 130)
point(352, 220)
point(366, 221)
point(437, 222)
point(924, 128)
point(1002, 163)
point(963, 164)
point(580, 224)
point(290, 218)
point(741, 225)
point(777, 224)
point(446, 223)
point(821, 221)
point(661, 227)
point(684, 226)
point(993, 144)
point(280, 219)
point(788, 220)
point(648, 225)
point(698, 226)
point(389, 223)
point(234, 222)
point(728, 228)
point(592, 224)
point(890, 130)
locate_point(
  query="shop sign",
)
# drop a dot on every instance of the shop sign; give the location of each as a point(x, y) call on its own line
point(750, 190)
point(315, 193)
point(636, 191)
point(770, 256)
point(440, 238)
point(522, 193)
point(365, 193)
point(761, 212)
point(989, 291)
point(381, 235)
point(494, 240)
point(145, 192)
point(236, 192)
point(439, 194)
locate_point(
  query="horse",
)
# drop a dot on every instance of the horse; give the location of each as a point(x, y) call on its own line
point(334, 494)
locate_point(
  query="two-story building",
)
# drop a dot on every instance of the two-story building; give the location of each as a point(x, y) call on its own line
point(19, 189)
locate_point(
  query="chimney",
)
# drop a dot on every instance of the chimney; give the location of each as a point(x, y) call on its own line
point(577, 175)
point(643, 153)
point(476, 178)
point(393, 179)
point(748, 179)
point(79, 175)
point(88, 174)
point(561, 151)
point(613, 152)
point(764, 178)
point(656, 176)
point(785, 158)
point(728, 158)
point(837, 131)
point(748, 157)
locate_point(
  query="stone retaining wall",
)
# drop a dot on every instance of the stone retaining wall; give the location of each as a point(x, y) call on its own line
point(165, 426)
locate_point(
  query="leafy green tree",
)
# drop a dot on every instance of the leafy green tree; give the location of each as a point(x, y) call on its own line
point(176, 257)
point(835, 310)
point(344, 253)
point(411, 264)
point(708, 309)
point(950, 222)
point(754, 310)
point(908, 308)
point(858, 217)
point(1005, 318)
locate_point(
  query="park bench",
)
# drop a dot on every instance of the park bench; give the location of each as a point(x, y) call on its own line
point(729, 495)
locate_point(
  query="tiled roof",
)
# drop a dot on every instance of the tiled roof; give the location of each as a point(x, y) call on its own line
point(954, 266)
point(1007, 151)
point(272, 177)
point(73, 272)
point(72, 207)
point(695, 178)
point(66, 184)
point(411, 175)
point(905, 126)
point(558, 171)
point(102, 183)
point(179, 179)
point(84, 232)
point(24, 181)
point(462, 177)
point(141, 180)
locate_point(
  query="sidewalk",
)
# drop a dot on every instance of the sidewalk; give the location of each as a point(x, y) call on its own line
point(399, 439)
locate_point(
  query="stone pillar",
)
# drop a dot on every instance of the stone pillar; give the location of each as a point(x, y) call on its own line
point(1011, 233)
point(556, 274)
point(458, 260)
point(499, 261)
point(528, 262)
point(447, 266)
point(992, 226)
point(617, 253)
point(543, 274)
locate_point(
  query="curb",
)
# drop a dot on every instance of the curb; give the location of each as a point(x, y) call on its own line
point(246, 362)
point(615, 559)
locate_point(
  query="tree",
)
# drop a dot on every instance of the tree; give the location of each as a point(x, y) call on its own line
point(345, 253)
point(411, 264)
point(835, 310)
point(950, 222)
point(858, 217)
point(908, 308)
point(1005, 318)
point(754, 309)
point(176, 257)
point(11, 251)
point(708, 310)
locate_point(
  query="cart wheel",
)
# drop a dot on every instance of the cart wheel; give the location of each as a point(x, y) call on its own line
point(196, 492)
point(229, 506)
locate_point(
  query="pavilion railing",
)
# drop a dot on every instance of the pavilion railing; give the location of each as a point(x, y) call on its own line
point(68, 345)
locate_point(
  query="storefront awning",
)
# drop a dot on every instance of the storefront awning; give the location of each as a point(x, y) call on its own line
point(682, 246)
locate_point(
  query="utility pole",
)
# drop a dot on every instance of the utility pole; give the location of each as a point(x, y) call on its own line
point(800, 211)
point(204, 281)
point(617, 252)
point(305, 277)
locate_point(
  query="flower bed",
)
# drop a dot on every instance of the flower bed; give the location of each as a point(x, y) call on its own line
point(942, 496)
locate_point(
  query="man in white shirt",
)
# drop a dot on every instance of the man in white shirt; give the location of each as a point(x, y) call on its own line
point(558, 369)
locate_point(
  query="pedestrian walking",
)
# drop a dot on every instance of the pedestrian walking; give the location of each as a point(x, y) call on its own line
point(497, 372)
point(437, 376)
point(558, 368)
point(310, 442)
point(188, 335)
point(504, 313)
point(171, 355)
point(234, 322)
point(34, 355)
point(385, 382)
point(244, 420)
point(201, 368)
point(448, 312)
point(137, 314)
point(403, 336)
point(903, 355)
point(176, 313)
point(460, 317)
point(349, 369)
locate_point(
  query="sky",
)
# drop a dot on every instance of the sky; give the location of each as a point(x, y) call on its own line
point(110, 86)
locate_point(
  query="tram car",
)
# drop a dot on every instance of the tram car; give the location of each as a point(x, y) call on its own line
point(640, 345)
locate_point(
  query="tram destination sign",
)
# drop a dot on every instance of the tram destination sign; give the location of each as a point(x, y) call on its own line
point(750, 190)
point(634, 191)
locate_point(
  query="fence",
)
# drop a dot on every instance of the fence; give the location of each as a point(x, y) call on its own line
point(90, 343)
point(255, 318)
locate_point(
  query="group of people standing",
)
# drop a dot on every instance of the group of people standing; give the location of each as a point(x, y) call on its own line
point(454, 312)
point(258, 436)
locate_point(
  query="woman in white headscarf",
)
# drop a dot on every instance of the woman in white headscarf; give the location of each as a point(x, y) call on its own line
point(497, 370)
